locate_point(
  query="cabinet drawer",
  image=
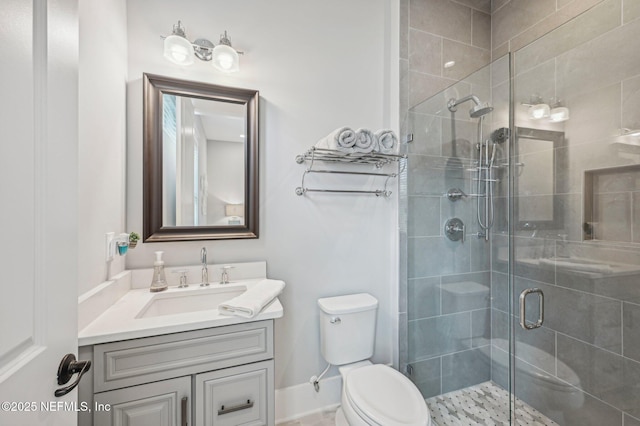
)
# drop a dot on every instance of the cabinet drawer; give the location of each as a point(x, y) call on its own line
point(240, 396)
point(137, 361)
point(165, 403)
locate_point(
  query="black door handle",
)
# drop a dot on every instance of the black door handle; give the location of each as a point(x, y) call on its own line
point(67, 368)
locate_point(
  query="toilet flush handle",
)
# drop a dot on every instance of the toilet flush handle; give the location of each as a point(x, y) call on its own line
point(335, 320)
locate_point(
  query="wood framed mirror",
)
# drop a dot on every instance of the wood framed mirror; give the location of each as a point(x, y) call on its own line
point(200, 155)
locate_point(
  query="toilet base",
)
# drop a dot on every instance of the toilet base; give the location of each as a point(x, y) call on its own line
point(341, 420)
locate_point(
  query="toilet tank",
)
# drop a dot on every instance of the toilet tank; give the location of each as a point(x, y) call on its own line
point(347, 327)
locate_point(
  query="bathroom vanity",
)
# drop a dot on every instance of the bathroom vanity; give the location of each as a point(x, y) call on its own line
point(221, 376)
point(156, 361)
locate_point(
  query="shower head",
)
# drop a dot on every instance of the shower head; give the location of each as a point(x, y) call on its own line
point(480, 110)
point(477, 111)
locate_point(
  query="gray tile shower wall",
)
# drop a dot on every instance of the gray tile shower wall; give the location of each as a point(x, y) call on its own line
point(448, 286)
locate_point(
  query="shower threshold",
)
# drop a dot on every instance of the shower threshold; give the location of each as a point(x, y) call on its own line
point(482, 404)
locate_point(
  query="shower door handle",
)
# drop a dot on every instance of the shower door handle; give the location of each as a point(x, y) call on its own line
point(523, 309)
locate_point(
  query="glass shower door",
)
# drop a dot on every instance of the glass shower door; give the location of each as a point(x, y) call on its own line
point(455, 195)
point(575, 223)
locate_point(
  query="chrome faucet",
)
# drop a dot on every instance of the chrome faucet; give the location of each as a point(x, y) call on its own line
point(205, 270)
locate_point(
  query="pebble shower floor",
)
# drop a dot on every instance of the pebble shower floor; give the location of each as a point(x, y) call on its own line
point(483, 404)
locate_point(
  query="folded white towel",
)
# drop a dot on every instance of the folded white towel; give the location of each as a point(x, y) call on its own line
point(387, 141)
point(251, 302)
point(342, 139)
point(365, 141)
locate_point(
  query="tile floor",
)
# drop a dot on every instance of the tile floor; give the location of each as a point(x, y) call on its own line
point(324, 418)
point(483, 404)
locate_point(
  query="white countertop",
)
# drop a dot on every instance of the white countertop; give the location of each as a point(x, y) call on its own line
point(119, 321)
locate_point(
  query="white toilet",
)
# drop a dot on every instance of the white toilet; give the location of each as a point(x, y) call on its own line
point(372, 394)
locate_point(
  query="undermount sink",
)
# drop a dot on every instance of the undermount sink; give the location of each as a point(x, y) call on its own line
point(180, 302)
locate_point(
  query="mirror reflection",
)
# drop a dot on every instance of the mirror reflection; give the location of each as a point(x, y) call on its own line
point(200, 161)
point(536, 178)
point(203, 162)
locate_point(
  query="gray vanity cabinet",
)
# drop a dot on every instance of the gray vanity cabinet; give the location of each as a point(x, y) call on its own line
point(234, 396)
point(220, 376)
point(164, 403)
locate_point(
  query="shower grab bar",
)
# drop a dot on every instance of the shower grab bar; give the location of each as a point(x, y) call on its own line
point(523, 309)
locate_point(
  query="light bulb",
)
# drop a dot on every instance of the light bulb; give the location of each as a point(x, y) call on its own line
point(178, 50)
point(225, 58)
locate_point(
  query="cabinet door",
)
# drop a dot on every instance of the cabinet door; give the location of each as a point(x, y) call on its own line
point(239, 396)
point(165, 403)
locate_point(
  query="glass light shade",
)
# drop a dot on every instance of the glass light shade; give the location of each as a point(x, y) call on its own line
point(559, 114)
point(178, 50)
point(536, 112)
point(225, 58)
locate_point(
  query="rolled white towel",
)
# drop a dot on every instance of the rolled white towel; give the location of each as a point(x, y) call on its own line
point(251, 302)
point(387, 141)
point(365, 141)
point(342, 139)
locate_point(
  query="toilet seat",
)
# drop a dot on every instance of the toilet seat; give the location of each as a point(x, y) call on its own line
point(382, 396)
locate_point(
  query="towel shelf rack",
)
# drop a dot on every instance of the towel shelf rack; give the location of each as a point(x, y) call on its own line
point(324, 155)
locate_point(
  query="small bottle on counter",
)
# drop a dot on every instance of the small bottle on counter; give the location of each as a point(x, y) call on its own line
point(159, 282)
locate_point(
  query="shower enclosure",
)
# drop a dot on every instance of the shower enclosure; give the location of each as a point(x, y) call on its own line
point(521, 250)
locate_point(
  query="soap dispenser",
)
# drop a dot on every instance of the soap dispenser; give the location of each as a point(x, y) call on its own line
point(159, 282)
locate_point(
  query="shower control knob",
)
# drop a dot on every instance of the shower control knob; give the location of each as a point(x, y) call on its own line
point(454, 229)
point(454, 194)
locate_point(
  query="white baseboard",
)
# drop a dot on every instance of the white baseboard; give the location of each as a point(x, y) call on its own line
point(302, 400)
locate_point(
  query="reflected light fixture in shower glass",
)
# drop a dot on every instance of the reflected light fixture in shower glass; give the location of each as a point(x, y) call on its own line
point(559, 114)
point(539, 111)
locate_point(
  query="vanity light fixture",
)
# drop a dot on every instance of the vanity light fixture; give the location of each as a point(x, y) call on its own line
point(224, 57)
point(179, 50)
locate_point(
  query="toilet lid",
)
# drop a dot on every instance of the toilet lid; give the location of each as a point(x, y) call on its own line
point(383, 396)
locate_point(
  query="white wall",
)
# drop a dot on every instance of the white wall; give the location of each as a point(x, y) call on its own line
point(102, 136)
point(318, 65)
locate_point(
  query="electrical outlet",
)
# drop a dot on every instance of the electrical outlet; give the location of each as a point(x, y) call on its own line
point(109, 246)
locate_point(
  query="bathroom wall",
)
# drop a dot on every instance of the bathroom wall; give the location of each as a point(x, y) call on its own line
point(516, 23)
point(317, 65)
point(102, 119)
